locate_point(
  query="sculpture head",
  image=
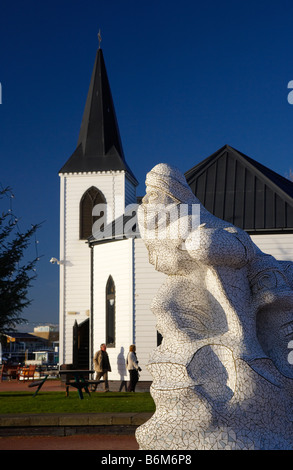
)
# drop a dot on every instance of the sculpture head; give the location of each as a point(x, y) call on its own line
point(165, 184)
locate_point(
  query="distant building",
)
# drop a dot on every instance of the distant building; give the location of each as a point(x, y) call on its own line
point(26, 347)
point(47, 332)
point(20, 347)
point(106, 285)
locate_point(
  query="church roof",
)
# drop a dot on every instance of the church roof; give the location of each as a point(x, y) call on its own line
point(99, 146)
point(238, 189)
point(233, 187)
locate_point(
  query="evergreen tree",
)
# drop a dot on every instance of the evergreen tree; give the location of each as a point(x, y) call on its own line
point(16, 274)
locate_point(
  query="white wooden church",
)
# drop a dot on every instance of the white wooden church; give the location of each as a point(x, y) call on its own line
point(107, 284)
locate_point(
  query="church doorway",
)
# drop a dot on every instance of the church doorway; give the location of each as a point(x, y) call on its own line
point(81, 334)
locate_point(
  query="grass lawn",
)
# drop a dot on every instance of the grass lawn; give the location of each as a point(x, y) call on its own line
point(57, 402)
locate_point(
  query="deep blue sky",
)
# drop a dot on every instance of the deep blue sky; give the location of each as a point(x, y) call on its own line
point(187, 78)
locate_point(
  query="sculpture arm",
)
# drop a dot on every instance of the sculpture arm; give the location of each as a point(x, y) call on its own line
point(220, 246)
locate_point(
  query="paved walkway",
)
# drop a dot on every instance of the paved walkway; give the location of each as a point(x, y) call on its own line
point(55, 385)
point(77, 442)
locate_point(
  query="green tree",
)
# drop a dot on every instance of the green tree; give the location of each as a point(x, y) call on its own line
point(16, 273)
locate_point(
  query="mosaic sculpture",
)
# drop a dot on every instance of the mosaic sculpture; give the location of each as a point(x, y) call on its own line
point(221, 376)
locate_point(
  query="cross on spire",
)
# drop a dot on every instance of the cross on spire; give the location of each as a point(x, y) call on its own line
point(100, 38)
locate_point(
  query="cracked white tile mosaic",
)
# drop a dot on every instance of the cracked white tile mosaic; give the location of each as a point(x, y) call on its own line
point(221, 377)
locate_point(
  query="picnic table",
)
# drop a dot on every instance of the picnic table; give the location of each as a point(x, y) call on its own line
point(79, 379)
point(39, 384)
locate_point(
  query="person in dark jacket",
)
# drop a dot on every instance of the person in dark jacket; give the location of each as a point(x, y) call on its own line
point(102, 367)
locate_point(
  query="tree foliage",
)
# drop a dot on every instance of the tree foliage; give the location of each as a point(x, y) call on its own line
point(16, 273)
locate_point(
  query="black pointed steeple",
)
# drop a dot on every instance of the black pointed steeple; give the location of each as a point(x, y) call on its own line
point(99, 146)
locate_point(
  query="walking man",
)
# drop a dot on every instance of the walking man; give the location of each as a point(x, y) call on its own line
point(102, 367)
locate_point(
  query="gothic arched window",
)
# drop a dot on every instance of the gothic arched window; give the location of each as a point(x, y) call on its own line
point(110, 313)
point(89, 200)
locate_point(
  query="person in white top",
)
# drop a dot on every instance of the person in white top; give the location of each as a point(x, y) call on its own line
point(133, 368)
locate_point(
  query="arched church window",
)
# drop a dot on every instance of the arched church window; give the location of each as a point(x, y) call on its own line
point(89, 200)
point(110, 313)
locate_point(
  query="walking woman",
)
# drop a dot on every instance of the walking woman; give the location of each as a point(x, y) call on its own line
point(133, 368)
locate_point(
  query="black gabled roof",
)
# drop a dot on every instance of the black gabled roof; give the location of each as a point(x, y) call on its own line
point(238, 189)
point(99, 146)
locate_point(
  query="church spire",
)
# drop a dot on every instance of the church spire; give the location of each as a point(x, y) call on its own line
point(99, 129)
point(99, 146)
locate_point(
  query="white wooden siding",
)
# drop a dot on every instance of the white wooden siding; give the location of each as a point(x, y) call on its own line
point(114, 259)
point(278, 245)
point(147, 281)
point(75, 253)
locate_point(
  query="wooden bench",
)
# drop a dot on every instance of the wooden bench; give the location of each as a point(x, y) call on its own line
point(9, 372)
point(39, 384)
point(3, 372)
point(27, 373)
point(12, 372)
